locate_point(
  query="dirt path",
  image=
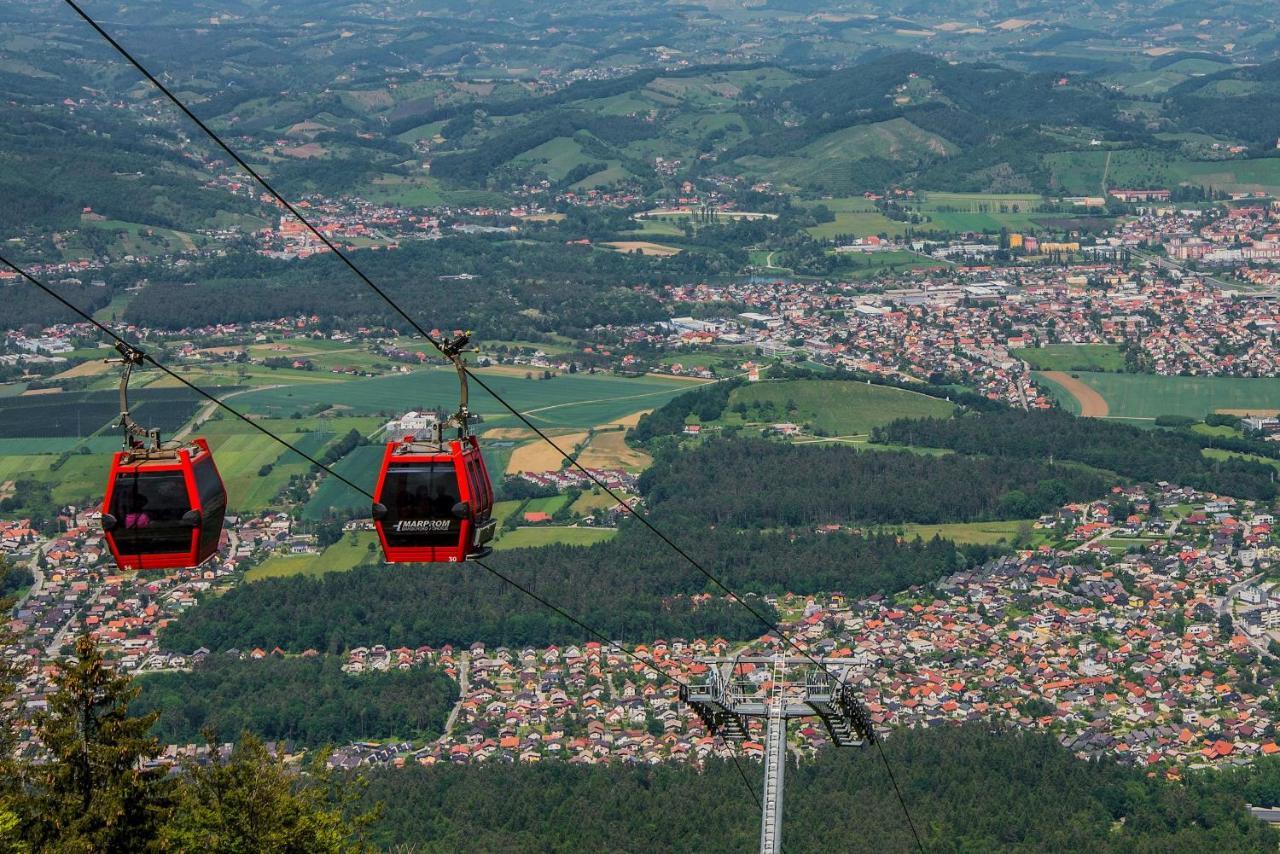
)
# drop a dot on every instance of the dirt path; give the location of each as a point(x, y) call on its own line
point(1092, 404)
point(207, 412)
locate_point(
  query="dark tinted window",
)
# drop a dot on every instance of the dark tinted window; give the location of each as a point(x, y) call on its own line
point(213, 501)
point(484, 497)
point(419, 498)
point(208, 485)
point(149, 507)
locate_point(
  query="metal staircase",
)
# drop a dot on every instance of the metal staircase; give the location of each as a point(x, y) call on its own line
point(775, 766)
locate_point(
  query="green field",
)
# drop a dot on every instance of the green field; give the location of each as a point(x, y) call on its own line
point(1147, 396)
point(835, 407)
point(348, 553)
point(521, 538)
point(567, 401)
point(549, 505)
point(857, 216)
point(829, 163)
point(863, 265)
point(1073, 357)
point(939, 212)
point(980, 533)
point(361, 467)
point(1081, 172)
point(502, 511)
point(1219, 454)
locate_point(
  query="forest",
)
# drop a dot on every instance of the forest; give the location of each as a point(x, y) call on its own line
point(625, 587)
point(669, 419)
point(518, 290)
point(309, 701)
point(1144, 455)
point(415, 605)
point(757, 483)
point(708, 501)
point(974, 787)
point(969, 789)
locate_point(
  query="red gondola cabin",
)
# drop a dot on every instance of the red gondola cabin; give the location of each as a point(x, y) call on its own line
point(164, 509)
point(433, 502)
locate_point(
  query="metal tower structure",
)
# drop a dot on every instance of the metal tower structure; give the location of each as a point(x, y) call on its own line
point(724, 704)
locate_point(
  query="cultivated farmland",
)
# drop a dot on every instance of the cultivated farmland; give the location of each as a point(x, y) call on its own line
point(1146, 396)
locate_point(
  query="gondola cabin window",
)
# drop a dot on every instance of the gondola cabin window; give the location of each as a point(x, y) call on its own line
point(420, 501)
point(150, 507)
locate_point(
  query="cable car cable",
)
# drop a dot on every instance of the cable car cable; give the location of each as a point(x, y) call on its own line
point(600, 636)
point(418, 327)
point(33, 280)
point(440, 347)
point(644, 660)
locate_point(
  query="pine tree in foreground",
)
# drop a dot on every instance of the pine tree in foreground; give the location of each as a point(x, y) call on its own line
point(249, 801)
point(92, 794)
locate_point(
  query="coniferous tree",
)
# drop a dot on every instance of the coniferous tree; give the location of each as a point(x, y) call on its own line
point(93, 794)
point(249, 801)
point(10, 778)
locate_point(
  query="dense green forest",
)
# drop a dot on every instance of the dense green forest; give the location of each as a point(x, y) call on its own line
point(968, 789)
point(413, 605)
point(626, 587)
point(708, 500)
point(306, 700)
point(517, 289)
point(750, 483)
point(1145, 455)
point(13, 578)
point(669, 419)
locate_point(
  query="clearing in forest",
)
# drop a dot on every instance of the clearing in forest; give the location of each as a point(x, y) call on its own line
point(644, 247)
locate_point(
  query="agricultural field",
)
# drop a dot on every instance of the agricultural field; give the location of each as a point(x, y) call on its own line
point(551, 505)
point(242, 457)
point(82, 413)
point(644, 247)
point(856, 216)
point(354, 549)
point(503, 510)
point(1146, 396)
point(977, 533)
point(862, 265)
point(539, 456)
point(940, 212)
point(833, 407)
point(577, 400)
point(705, 357)
point(1073, 357)
point(608, 449)
point(978, 211)
point(589, 502)
point(521, 538)
point(361, 467)
point(1083, 172)
point(655, 228)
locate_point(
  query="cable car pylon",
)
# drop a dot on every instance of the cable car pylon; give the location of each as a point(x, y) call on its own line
point(724, 705)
